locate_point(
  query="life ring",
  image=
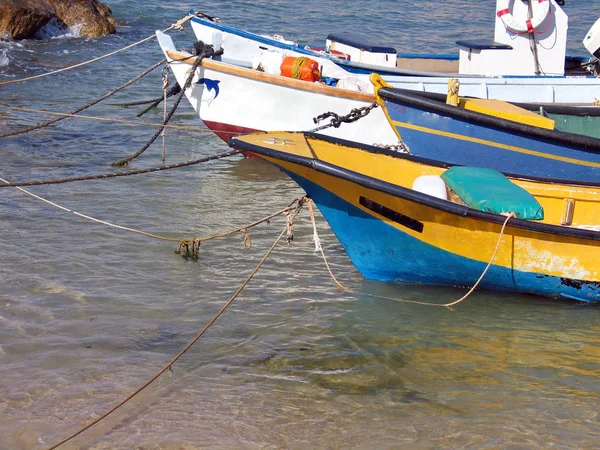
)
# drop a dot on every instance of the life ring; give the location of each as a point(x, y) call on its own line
point(541, 10)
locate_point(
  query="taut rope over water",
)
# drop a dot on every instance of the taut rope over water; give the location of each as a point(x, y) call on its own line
point(195, 241)
point(92, 103)
point(176, 26)
point(121, 174)
point(195, 129)
point(203, 52)
point(173, 91)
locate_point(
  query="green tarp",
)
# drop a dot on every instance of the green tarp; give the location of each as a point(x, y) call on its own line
point(490, 191)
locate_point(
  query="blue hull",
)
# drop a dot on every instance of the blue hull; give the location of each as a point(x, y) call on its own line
point(385, 253)
point(462, 142)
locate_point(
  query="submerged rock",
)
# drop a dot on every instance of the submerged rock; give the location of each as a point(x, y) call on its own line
point(23, 19)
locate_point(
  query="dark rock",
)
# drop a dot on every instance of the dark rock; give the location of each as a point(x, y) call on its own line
point(22, 19)
point(94, 17)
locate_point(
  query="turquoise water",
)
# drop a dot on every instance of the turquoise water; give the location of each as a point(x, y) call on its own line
point(89, 312)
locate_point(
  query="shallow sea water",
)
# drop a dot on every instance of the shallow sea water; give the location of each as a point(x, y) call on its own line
point(89, 312)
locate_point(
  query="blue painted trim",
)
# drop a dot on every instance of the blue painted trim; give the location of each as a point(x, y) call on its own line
point(254, 37)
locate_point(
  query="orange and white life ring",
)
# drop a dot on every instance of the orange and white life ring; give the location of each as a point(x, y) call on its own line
point(541, 8)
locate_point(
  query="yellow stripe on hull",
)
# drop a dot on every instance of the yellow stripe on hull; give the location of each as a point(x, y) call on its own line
point(511, 148)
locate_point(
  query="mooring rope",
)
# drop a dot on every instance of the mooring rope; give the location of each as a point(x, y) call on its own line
point(174, 90)
point(182, 242)
point(165, 79)
point(319, 248)
point(187, 347)
point(205, 51)
point(122, 174)
point(125, 121)
point(88, 105)
point(177, 26)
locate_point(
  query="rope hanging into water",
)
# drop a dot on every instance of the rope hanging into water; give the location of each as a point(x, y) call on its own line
point(188, 346)
point(203, 51)
point(90, 104)
point(177, 26)
point(122, 174)
point(319, 248)
point(165, 79)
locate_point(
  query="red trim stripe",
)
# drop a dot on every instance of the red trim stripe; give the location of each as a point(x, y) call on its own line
point(502, 12)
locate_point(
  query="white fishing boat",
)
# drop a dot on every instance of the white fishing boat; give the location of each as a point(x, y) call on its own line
point(525, 62)
point(231, 99)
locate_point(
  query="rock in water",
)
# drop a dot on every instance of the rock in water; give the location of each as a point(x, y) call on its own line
point(22, 19)
point(94, 17)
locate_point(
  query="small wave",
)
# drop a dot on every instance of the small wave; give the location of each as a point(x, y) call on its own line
point(56, 29)
point(4, 60)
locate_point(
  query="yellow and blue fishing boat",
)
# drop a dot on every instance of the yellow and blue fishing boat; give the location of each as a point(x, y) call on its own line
point(488, 133)
point(408, 219)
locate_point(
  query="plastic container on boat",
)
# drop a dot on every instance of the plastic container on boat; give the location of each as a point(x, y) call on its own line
point(431, 185)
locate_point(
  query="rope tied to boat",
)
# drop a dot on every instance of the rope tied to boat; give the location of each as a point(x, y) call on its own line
point(88, 105)
point(153, 36)
point(189, 248)
point(165, 85)
point(337, 120)
point(179, 24)
point(104, 176)
point(319, 248)
point(202, 51)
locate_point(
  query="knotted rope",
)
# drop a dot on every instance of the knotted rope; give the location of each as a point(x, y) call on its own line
point(155, 101)
point(165, 85)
